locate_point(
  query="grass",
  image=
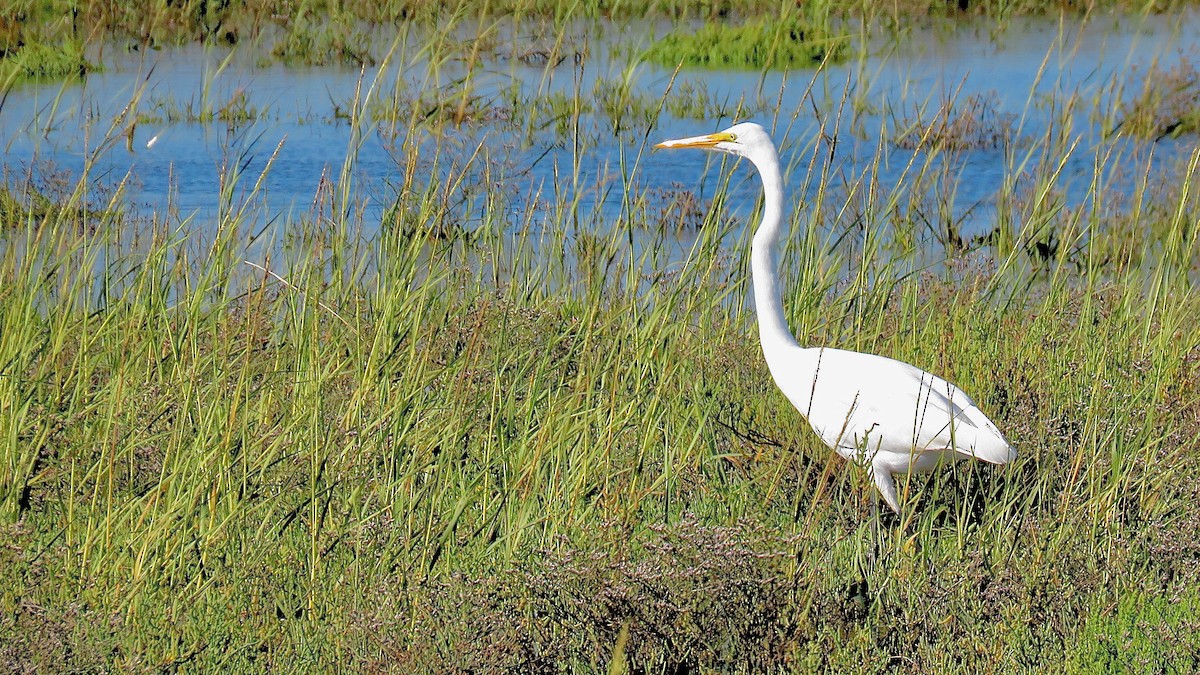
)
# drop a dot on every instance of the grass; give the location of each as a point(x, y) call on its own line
point(42, 62)
point(320, 40)
point(779, 42)
point(511, 431)
point(727, 34)
point(1166, 105)
point(163, 22)
point(975, 123)
point(34, 204)
point(1142, 633)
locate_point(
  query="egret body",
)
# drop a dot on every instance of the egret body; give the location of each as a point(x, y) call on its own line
point(882, 414)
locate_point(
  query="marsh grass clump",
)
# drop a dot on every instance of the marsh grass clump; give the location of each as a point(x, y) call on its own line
point(680, 209)
point(13, 210)
point(316, 40)
point(627, 106)
point(442, 225)
point(687, 596)
point(691, 99)
point(36, 637)
point(1166, 105)
point(25, 203)
point(238, 110)
point(624, 105)
point(1143, 633)
point(692, 597)
point(762, 42)
point(45, 62)
point(974, 123)
point(555, 113)
point(457, 105)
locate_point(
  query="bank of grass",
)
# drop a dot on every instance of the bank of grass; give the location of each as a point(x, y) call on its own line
point(43, 63)
point(319, 32)
point(321, 40)
point(790, 40)
point(1167, 102)
point(492, 438)
point(186, 21)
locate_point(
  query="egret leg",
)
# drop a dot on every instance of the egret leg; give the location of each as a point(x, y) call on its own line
point(859, 592)
point(887, 490)
point(874, 553)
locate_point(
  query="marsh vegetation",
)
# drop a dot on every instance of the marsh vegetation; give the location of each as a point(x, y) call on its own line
point(487, 396)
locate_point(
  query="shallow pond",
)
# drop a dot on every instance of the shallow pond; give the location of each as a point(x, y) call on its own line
point(205, 113)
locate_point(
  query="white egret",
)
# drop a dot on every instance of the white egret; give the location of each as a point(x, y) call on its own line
point(875, 411)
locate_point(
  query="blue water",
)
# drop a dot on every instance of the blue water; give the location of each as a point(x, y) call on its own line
point(181, 164)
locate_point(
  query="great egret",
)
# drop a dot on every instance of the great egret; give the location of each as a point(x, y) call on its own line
point(872, 410)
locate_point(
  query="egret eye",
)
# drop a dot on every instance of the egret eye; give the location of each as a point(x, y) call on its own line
point(733, 137)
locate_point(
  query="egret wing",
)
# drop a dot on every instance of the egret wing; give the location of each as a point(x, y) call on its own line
point(873, 403)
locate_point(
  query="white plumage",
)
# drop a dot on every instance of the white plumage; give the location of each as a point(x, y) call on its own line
point(878, 412)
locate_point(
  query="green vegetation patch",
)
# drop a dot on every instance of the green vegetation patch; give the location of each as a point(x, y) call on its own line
point(1142, 634)
point(758, 43)
point(45, 62)
point(33, 206)
point(173, 22)
point(1168, 104)
point(322, 41)
point(976, 123)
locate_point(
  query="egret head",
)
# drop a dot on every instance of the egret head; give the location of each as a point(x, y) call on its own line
point(747, 140)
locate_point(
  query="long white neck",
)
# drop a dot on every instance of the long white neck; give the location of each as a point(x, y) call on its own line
point(764, 262)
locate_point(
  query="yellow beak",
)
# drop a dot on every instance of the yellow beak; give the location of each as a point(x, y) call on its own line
point(706, 141)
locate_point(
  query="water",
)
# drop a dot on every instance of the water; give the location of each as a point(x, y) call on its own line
point(181, 162)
